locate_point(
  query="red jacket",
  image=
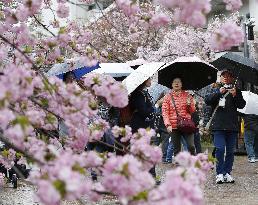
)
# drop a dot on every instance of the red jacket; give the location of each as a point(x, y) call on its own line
point(184, 110)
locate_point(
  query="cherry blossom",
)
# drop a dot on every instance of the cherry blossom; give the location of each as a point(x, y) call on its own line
point(228, 35)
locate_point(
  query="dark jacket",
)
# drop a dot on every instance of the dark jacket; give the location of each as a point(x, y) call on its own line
point(225, 118)
point(251, 122)
point(196, 118)
point(143, 116)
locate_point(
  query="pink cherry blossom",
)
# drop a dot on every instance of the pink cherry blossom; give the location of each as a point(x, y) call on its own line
point(192, 13)
point(159, 20)
point(129, 7)
point(62, 11)
point(228, 35)
point(233, 4)
point(47, 194)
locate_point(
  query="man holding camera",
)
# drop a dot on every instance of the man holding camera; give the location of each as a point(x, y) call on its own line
point(225, 127)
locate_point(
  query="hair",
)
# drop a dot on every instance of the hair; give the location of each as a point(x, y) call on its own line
point(66, 75)
point(227, 71)
point(178, 77)
point(140, 87)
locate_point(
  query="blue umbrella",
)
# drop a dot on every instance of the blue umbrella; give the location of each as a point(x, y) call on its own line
point(79, 69)
point(79, 72)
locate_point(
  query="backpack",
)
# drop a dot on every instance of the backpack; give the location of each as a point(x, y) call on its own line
point(125, 115)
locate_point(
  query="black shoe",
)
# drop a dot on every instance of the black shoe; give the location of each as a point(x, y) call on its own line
point(14, 181)
point(94, 178)
point(158, 182)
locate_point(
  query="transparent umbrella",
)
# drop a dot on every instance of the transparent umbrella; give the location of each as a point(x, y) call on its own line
point(251, 106)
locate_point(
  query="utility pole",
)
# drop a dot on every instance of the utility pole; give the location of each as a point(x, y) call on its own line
point(248, 25)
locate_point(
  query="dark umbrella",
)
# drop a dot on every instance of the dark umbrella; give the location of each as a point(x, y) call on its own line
point(194, 73)
point(243, 68)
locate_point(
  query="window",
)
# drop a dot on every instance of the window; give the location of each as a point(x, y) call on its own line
point(91, 7)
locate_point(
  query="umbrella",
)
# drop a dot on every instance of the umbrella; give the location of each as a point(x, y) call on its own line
point(194, 73)
point(136, 63)
point(74, 65)
point(115, 70)
point(251, 106)
point(138, 76)
point(243, 68)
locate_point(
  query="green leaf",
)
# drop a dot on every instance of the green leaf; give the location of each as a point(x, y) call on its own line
point(78, 168)
point(47, 86)
point(23, 121)
point(93, 105)
point(211, 158)
point(141, 196)
point(44, 102)
point(125, 170)
point(62, 30)
point(39, 61)
point(5, 153)
point(96, 80)
point(28, 79)
point(51, 118)
point(27, 49)
point(60, 59)
point(197, 164)
point(51, 45)
point(18, 155)
point(60, 187)
point(49, 156)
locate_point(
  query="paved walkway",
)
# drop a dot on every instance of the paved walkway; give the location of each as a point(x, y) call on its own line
point(243, 192)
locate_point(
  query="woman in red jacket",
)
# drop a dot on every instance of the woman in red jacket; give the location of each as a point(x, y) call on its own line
point(185, 106)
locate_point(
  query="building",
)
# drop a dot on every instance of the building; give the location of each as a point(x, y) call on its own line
point(249, 6)
point(79, 11)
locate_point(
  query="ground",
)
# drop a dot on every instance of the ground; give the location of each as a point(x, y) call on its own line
point(243, 192)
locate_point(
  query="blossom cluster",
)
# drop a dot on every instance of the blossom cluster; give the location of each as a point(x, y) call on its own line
point(227, 36)
point(192, 12)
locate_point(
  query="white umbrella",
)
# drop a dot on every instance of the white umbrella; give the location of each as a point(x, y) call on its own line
point(136, 62)
point(115, 70)
point(141, 74)
point(251, 106)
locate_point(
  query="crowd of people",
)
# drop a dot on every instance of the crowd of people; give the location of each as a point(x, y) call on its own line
point(177, 116)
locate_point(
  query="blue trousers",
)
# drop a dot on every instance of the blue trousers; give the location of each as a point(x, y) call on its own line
point(251, 143)
point(222, 140)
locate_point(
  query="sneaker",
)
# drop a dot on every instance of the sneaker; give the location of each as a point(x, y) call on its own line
point(228, 178)
point(158, 182)
point(251, 160)
point(219, 179)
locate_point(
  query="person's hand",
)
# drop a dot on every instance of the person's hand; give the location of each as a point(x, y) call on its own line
point(233, 92)
point(169, 128)
point(222, 90)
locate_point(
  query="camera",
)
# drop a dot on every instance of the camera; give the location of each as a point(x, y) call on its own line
point(228, 86)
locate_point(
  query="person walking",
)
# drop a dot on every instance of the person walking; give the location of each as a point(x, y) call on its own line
point(143, 112)
point(251, 137)
point(178, 103)
point(162, 131)
point(197, 137)
point(225, 126)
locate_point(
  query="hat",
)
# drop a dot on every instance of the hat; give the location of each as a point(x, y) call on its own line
point(226, 71)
